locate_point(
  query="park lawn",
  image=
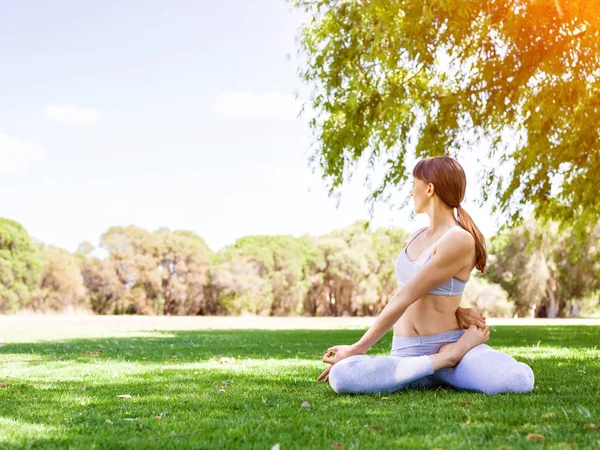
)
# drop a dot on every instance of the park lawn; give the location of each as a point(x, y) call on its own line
point(257, 388)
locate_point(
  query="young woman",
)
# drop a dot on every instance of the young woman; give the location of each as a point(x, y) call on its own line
point(429, 347)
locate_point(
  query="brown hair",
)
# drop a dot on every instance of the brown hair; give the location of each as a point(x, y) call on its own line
point(450, 182)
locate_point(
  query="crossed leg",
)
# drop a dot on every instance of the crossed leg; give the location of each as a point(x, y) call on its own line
point(487, 370)
point(466, 364)
point(363, 374)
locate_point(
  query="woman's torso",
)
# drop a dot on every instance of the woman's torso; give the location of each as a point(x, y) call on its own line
point(431, 314)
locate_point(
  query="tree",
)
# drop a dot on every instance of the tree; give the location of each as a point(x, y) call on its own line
point(134, 252)
point(184, 260)
point(20, 266)
point(104, 288)
point(264, 274)
point(350, 277)
point(519, 77)
point(61, 284)
point(547, 273)
point(161, 272)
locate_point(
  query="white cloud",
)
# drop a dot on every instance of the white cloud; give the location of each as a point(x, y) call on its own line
point(72, 114)
point(16, 155)
point(248, 105)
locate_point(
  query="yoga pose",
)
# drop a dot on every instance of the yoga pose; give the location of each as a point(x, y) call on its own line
point(430, 346)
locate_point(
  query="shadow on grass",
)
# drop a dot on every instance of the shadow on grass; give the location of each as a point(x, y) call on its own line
point(198, 346)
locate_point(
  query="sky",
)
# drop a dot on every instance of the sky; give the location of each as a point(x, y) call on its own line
point(167, 114)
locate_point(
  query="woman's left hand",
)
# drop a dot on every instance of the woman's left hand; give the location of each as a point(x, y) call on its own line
point(469, 316)
point(341, 352)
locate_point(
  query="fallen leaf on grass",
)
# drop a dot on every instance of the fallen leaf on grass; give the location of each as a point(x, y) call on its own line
point(93, 352)
point(83, 388)
point(124, 396)
point(464, 404)
point(305, 404)
point(337, 445)
point(535, 437)
point(376, 427)
point(548, 415)
point(4, 384)
point(591, 426)
point(109, 421)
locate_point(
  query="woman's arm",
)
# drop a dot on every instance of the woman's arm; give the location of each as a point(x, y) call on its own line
point(386, 319)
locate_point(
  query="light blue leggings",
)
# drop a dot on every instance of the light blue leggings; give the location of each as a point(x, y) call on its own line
point(482, 369)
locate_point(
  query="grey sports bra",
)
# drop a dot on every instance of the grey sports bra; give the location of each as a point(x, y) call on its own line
point(405, 269)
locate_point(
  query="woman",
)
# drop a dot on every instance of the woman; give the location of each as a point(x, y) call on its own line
point(428, 347)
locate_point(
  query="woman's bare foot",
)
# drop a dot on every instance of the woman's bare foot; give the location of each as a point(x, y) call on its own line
point(471, 338)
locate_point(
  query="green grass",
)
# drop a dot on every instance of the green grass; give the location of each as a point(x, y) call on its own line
point(183, 397)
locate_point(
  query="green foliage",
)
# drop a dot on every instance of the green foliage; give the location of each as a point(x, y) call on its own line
point(535, 270)
point(20, 266)
point(518, 79)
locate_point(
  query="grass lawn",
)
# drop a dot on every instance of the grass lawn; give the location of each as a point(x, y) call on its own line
point(257, 388)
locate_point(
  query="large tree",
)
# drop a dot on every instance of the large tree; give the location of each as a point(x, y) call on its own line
point(519, 79)
point(160, 272)
point(547, 273)
point(61, 286)
point(20, 266)
point(184, 260)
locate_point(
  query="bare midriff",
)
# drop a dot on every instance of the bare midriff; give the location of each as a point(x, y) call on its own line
point(431, 314)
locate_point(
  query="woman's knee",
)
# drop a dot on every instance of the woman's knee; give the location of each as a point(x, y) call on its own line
point(336, 378)
point(340, 376)
point(523, 378)
point(519, 379)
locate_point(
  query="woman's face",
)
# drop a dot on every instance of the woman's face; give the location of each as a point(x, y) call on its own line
point(419, 194)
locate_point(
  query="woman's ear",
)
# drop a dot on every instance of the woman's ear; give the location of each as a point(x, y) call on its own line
point(430, 188)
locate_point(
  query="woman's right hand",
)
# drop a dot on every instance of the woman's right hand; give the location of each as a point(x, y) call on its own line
point(341, 352)
point(469, 316)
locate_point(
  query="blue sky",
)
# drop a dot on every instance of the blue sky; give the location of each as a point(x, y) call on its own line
point(177, 114)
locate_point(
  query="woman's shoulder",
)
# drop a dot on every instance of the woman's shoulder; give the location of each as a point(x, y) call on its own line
point(462, 238)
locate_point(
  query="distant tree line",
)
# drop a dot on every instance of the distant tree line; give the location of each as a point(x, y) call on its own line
point(533, 271)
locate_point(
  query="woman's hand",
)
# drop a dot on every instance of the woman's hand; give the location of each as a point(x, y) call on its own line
point(469, 316)
point(341, 352)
